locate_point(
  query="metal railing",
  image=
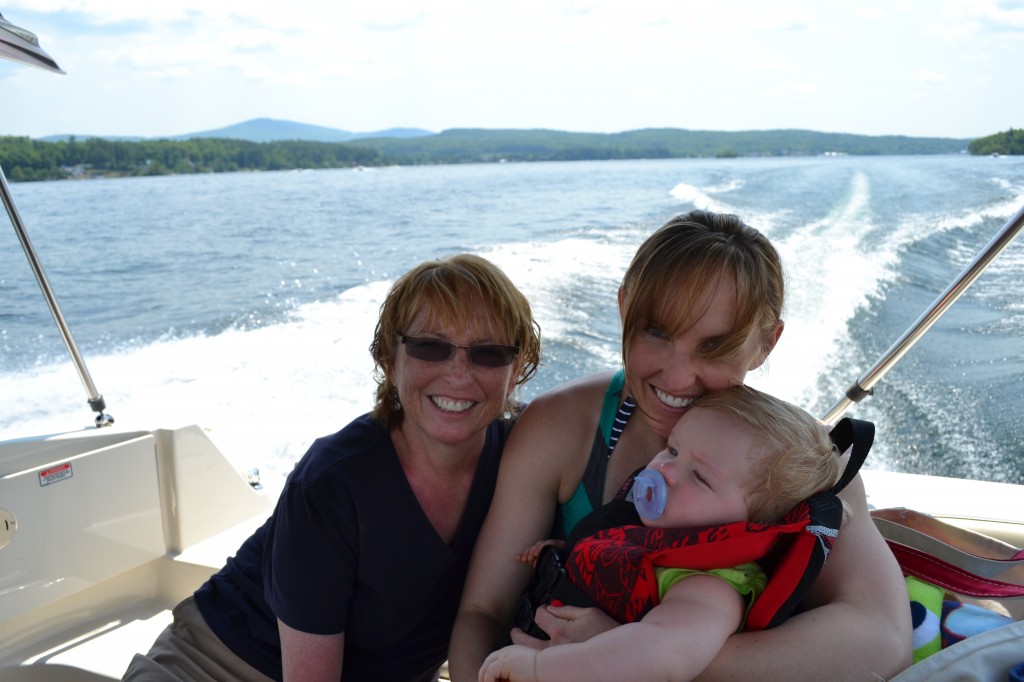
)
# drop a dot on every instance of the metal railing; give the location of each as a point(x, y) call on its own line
point(96, 401)
point(864, 385)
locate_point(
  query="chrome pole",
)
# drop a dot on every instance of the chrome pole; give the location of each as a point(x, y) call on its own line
point(864, 386)
point(96, 401)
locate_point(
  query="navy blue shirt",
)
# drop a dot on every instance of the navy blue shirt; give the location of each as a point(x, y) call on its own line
point(349, 549)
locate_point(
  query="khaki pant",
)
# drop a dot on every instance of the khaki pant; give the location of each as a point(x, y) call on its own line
point(188, 650)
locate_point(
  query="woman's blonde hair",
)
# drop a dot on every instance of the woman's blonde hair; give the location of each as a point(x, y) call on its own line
point(797, 458)
point(689, 257)
point(453, 292)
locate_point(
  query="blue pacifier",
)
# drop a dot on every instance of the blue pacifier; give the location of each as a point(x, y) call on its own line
point(649, 494)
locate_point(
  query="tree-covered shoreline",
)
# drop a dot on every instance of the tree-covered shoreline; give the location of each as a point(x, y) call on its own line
point(25, 159)
point(1010, 142)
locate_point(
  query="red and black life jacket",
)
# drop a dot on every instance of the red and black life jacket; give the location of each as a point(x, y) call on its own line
point(612, 565)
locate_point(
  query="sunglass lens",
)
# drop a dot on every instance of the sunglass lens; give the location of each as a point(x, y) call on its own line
point(435, 350)
point(430, 350)
point(492, 356)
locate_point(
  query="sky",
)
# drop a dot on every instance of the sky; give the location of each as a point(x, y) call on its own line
point(930, 68)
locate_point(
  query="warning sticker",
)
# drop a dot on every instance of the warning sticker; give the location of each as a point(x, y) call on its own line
point(55, 474)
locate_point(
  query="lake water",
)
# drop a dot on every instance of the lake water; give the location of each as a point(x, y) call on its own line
point(245, 302)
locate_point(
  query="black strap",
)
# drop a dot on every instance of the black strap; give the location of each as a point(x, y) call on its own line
point(858, 435)
point(549, 583)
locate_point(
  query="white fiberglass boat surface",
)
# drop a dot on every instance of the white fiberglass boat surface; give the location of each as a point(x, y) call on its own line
point(103, 531)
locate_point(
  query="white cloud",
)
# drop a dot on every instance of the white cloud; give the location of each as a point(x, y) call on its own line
point(927, 76)
point(792, 89)
point(986, 15)
point(872, 14)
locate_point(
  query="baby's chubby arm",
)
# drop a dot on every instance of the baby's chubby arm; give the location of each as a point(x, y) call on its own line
point(676, 640)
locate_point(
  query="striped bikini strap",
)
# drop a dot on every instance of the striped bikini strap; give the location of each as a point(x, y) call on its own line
point(621, 419)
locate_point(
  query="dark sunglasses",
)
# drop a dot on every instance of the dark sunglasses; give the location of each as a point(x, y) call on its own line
point(436, 350)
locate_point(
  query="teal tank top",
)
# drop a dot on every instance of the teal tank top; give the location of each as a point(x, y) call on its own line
point(589, 494)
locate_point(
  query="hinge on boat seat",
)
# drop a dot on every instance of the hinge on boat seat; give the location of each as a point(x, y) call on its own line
point(252, 477)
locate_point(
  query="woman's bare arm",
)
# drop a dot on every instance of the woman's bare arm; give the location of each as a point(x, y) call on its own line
point(310, 658)
point(857, 626)
point(547, 448)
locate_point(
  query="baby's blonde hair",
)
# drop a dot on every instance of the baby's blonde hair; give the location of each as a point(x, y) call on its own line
point(798, 457)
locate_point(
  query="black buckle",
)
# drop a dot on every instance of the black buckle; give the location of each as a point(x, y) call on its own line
point(547, 580)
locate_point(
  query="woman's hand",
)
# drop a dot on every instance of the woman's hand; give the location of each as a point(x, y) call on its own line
point(565, 624)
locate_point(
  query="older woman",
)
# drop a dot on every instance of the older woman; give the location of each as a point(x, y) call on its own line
point(358, 573)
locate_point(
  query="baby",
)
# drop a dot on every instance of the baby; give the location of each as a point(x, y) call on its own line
point(736, 455)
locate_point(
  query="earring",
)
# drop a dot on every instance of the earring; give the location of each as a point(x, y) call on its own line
point(396, 403)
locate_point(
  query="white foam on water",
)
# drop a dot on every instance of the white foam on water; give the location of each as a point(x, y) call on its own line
point(263, 395)
point(550, 276)
point(699, 197)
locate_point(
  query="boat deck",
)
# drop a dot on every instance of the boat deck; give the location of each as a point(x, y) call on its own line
point(93, 634)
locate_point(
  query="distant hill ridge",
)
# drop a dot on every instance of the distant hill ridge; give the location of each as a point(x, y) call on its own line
point(484, 144)
point(267, 144)
point(264, 130)
point(273, 130)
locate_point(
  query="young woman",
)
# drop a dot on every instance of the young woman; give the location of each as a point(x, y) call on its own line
point(701, 306)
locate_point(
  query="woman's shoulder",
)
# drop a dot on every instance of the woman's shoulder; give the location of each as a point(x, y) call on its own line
point(359, 442)
point(588, 389)
point(567, 408)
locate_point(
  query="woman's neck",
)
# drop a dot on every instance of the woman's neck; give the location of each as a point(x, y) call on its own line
point(440, 476)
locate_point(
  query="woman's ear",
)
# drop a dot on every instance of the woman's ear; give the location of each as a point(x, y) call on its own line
point(776, 333)
point(510, 389)
point(772, 339)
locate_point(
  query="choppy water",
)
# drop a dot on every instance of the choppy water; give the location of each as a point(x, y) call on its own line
point(245, 302)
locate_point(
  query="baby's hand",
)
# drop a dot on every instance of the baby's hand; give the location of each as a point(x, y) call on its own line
point(515, 663)
point(530, 554)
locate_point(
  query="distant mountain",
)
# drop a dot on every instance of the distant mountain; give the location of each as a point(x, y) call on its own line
point(273, 130)
point(268, 130)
